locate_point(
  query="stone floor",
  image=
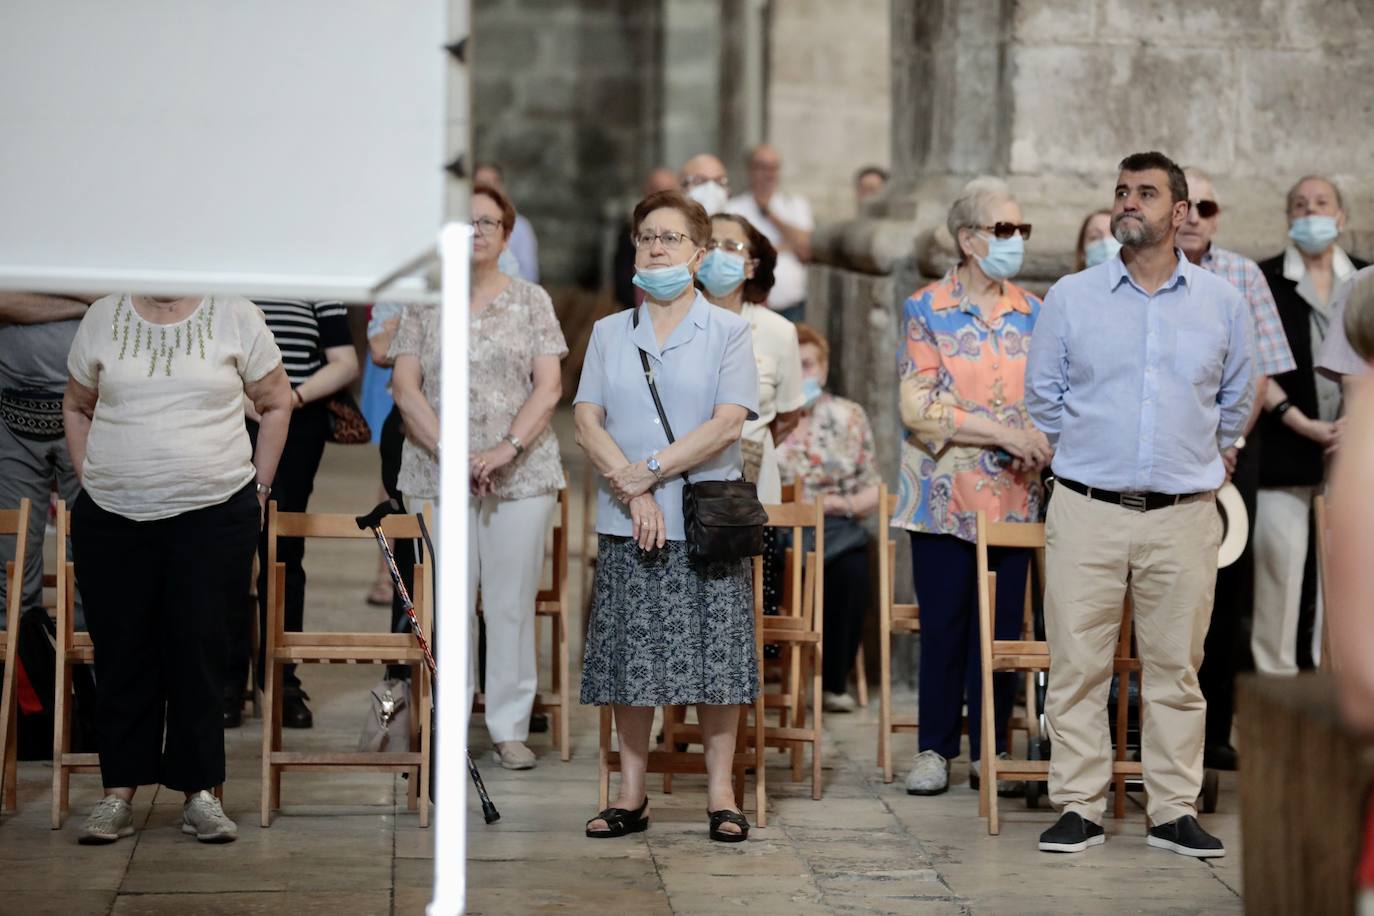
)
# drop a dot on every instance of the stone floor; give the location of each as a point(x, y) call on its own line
point(347, 845)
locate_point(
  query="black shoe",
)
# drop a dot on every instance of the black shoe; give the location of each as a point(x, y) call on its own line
point(294, 712)
point(233, 710)
point(1186, 837)
point(1219, 757)
point(1071, 833)
point(539, 723)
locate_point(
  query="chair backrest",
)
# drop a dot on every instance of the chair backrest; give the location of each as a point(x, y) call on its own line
point(338, 527)
point(789, 492)
point(558, 586)
point(1023, 535)
point(804, 580)
point(15, 522)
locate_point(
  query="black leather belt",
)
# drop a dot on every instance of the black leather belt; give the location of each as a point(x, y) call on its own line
point(1139, 501)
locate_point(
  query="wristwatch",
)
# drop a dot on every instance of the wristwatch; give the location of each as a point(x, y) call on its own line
point(1239, 443)
point(263, 489)
point(655, 467)
point(515, 444)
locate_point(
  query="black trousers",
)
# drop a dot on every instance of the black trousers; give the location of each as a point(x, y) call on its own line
point(157, 596)
point(291, 489)
point(848, 596)
point(1226, 649)
point(404, 551)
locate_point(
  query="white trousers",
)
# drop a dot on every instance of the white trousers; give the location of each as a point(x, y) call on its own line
point(506, 560)
point(1281, 517)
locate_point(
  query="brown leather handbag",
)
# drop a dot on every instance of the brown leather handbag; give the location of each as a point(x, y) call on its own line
point(347, 426)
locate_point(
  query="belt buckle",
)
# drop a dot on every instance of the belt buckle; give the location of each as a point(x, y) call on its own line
point(1134, 501)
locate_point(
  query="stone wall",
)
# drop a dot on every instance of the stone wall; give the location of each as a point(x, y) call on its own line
point(567, 97)
point(829, 97)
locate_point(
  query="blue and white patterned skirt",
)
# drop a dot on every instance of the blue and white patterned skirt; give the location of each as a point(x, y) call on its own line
point(666, 630)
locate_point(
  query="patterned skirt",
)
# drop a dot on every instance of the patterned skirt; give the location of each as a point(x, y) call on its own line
point(666, 630)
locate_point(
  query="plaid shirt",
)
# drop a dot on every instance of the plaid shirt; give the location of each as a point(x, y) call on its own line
point(1272, 355)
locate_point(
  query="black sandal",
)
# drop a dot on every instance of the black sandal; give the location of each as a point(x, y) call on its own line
point(620, 821)
point(726, 816)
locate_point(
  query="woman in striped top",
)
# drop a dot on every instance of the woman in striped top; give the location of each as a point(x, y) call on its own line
point(318, 355)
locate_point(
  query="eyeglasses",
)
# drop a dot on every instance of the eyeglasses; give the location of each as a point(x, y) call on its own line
point(729, 245)
point(671, 240)
point(693, 181)
point(1007, 230)
point(1206, 209)
point(485, 225)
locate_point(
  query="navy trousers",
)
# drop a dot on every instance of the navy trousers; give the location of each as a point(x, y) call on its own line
point(951, 668)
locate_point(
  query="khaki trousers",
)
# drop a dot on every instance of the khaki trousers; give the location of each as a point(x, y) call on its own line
point(1167, 560)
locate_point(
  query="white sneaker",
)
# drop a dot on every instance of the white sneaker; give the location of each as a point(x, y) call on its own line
point(110, 819)
point(837, 702)
point(514, 755)
point(203, 818)
point(929, 774)
point(1006, 788)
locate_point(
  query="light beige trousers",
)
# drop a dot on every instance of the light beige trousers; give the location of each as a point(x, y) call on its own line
point(1166, 560)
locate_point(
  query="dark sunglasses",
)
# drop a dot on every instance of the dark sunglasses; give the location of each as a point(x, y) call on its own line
point(1205, 208)
point(1007, 230)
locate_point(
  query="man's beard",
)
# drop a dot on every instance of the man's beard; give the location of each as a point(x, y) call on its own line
point(1136, 232)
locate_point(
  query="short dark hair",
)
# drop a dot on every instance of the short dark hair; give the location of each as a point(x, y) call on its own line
point(1359, 315)
point(870, 170)
point(1144, 162)
point(698, 223)
point(507, 208)
point(757, 287)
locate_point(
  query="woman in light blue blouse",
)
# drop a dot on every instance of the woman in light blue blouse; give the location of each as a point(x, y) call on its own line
point(666, 629)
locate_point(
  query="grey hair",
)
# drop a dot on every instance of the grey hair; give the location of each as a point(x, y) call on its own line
point(971, 206)
point(1191, 171)
point(1293, 191)
point(1359, 314)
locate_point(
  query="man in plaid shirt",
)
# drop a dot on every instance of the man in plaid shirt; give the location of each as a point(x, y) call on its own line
point(1234, 600)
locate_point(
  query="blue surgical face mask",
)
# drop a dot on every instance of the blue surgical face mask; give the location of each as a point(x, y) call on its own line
point(1314, 234)
point(721, 272)
point(1104, 249)
point(663, 283)
point(1004, 256)
point(812, 391)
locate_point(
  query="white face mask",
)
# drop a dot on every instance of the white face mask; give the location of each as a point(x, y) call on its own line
point(711, 195)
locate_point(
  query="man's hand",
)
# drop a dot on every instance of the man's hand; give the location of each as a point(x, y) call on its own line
point(1229, 457)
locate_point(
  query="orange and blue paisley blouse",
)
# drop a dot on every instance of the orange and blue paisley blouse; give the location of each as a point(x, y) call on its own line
point(955, 361)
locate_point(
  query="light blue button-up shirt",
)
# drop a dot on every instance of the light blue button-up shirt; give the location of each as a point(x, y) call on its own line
point(707, 360)
point(1140, 392)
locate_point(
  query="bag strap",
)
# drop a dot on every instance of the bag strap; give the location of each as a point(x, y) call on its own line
point(653, 389)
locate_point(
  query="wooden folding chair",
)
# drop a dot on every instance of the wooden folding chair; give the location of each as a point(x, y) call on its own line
point(1029, 655)
point(343, 648)
point(797, 629)
point(73, 648)
point(749, 740)
point(893, 618)
point(12, 522)
point(552, 603)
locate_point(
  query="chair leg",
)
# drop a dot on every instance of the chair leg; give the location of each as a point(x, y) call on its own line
point(271, 740)
point(817, 735)
point(670, 719)
point(564, 714)
point(987, 785)
point(885, 700)
point(426, 741)
point(62, 731)
point(418, 724)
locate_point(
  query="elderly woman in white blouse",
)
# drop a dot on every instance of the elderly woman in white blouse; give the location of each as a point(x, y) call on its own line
point(515, 345)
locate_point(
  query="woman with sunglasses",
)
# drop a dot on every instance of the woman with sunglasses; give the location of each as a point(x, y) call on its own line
point(737, 275)
point(970, 446)
point(666, 629)
point(514, 348)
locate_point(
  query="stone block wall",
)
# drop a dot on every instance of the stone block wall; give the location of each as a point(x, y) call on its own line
point(567, 96)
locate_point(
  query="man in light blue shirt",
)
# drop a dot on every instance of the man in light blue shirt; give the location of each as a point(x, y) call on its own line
point(1140, 374)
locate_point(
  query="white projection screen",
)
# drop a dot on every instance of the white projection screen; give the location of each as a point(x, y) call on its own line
point(255, 147)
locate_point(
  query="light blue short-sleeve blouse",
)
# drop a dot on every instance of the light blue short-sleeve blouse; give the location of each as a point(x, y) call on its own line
point(706, 361)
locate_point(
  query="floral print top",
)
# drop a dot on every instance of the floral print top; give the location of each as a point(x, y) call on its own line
point(831, 452)
point(954, 361)
point(503, 340)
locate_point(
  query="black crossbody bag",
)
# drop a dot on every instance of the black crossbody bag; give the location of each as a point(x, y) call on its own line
point(723, 518)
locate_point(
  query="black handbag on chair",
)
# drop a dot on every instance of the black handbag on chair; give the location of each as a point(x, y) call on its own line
point(723, 518)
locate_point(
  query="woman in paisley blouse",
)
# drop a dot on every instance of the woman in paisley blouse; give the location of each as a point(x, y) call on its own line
point(830, 454)
point(514, 348)
point(969, 446)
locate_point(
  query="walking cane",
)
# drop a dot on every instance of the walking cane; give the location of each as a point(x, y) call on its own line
point(373, 522)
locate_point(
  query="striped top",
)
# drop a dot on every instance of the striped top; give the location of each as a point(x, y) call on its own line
point(304, 331)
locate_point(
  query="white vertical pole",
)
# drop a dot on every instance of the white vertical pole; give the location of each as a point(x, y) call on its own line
point(451, 610)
